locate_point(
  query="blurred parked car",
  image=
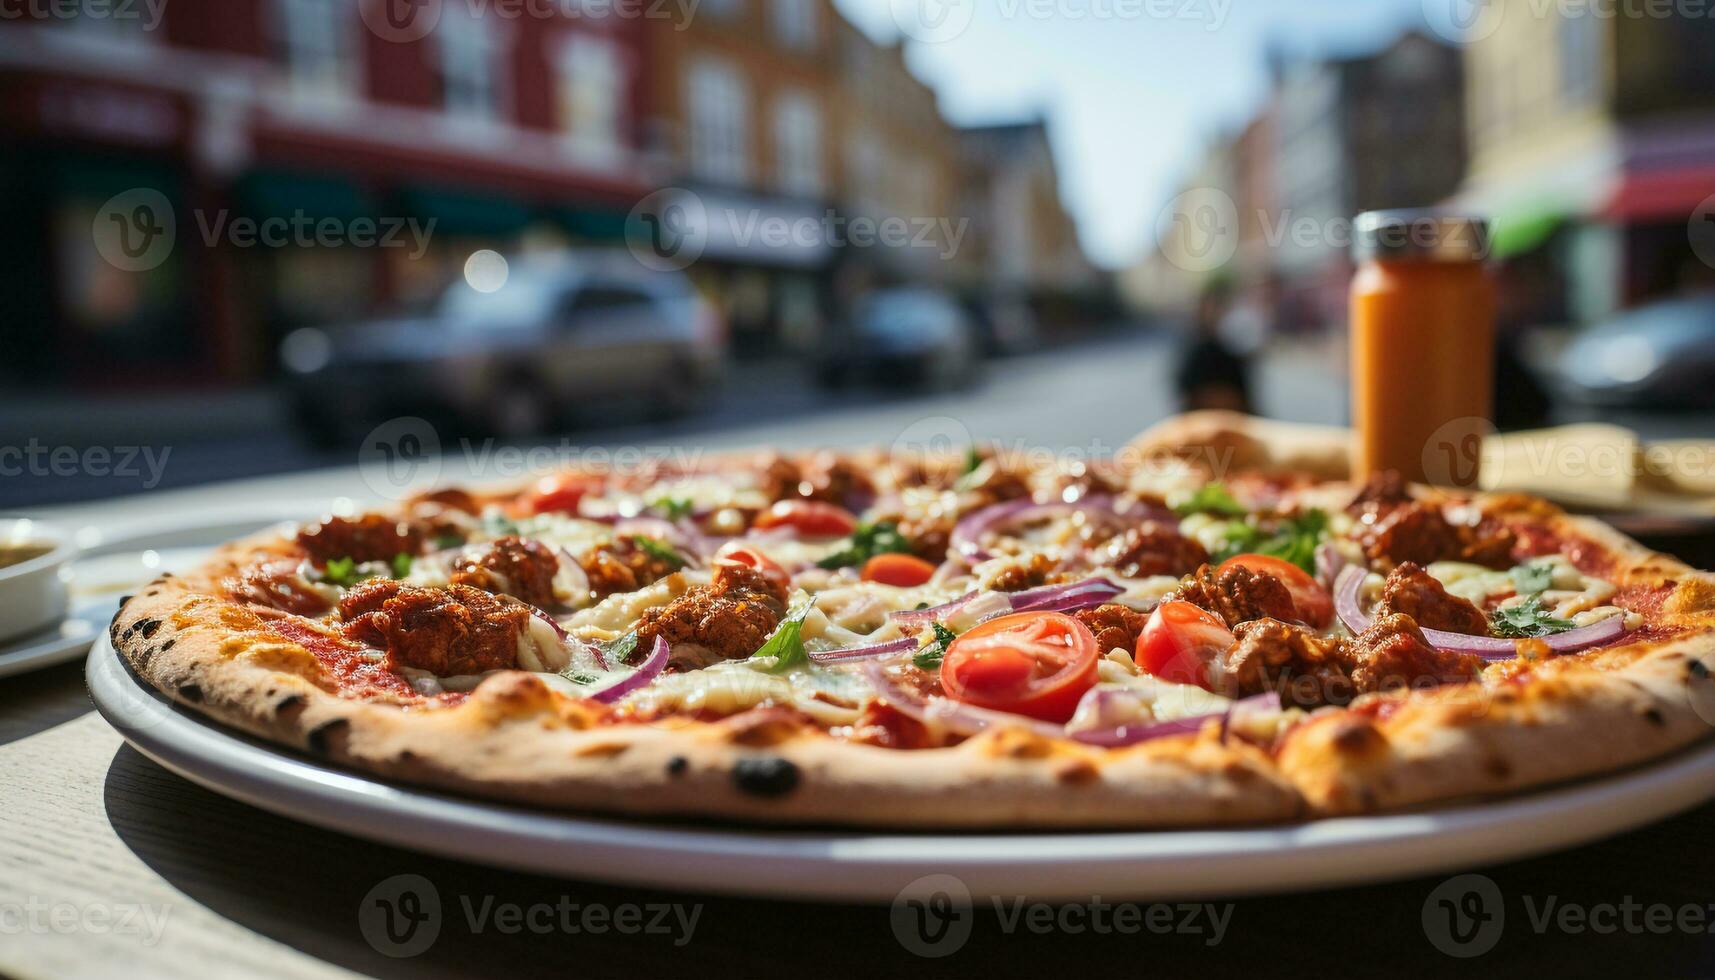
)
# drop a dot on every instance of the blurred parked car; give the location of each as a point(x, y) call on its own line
point(1005, 326)
point(1661, 355)
point(563, 330)
point(907, 335)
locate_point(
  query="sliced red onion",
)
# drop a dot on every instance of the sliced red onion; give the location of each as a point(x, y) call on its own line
point(960, 719)
point(1329, 561)
point(646, 671)
point(1065, 598)
point(567, 639)
point(1113, 738)
point(966, 538)
point(1493, 648)
point(1266, 701)
point(919, 618)
point(870, 651)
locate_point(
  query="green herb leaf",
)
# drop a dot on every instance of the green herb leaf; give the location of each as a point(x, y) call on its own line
point(579, 677)
point(1296, 539)
point(973, 459)
point(658, 549)
point(930, 656)
point(1526, 619)
point(786, 645)
point(499, 525)
point(402, 563)
point(865, 543)
point(1237, 538)
point(1211, 498)
point(620, 649)
point(445, 541)
point(341, 572)
point(1532, 577)
point(673, 508)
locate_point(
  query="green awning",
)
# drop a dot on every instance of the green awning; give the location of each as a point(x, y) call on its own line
point(462, 213)
point(265, 194)
point(593, 224)
point(86, 177)
point(1524, 231)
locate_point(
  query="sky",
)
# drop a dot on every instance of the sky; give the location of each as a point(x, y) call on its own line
point(1133, 89)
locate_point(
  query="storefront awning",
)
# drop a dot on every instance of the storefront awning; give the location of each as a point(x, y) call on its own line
point(1660, 195)
point(266, 194)
point(592, 224)
point(464, 213)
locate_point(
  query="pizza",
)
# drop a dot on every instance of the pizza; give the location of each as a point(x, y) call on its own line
point(968, 640)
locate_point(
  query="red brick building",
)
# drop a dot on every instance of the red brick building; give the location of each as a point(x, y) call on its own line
point(374, 144)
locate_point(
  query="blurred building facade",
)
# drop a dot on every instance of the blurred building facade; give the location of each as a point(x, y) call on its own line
point(509, 126)
point(1593, 142)
point(300, 122)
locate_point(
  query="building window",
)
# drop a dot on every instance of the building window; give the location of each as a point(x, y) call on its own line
point(319, 46)
point(798, 145)
point(592, 87)
point(1581, 59)
point(795, 23)
point(720, 122)
point(470, 76)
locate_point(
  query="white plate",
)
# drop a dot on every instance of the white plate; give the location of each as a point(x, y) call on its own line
point(859, 866)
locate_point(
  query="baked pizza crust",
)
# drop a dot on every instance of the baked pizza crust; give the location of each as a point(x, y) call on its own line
point(516, 740)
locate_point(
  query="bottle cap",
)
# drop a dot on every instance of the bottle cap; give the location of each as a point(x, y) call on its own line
point(1419, 236)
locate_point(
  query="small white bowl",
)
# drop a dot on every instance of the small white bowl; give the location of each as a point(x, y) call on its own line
point(32, 592)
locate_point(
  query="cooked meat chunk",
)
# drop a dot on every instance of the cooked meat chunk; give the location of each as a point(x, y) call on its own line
point(731, 617)
point(371, 537)
point(1084, 479)
point(1115, 626)
point(997, 484)
point(1412, 591)
point(1414, 532)
point(1152, 548)
point(1236, 594)
point(830, 478)
point(1018, 574)
point(1308, 670)
point(447, 632)
point(451, 498)
point(1392, 653)
point(1489, 544)
point(1381, 492)
point(278, 586)
point(930, 537)
point(778, 477)
point(511, 566)
point(620, 567)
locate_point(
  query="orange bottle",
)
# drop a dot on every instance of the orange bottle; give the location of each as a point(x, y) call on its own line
point(1423, 339)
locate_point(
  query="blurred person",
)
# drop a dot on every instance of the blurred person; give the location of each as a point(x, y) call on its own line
point(1211, 373)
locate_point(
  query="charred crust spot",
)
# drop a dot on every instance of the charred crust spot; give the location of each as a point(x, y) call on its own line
point(1356, 738)
point(318, 738)
point(678, 766)
point(1697, 670)
point(167, 645)
point(291, 702)
point(152, 593)
point(148, 627)
point(1655, 717)
point(1497, 767)
point(191, 692)
point(1078, 772)
point(765, 775)
point(126, 599)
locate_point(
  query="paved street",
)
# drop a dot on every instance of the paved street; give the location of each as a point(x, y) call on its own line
point(1087, 398)
point(1084, 398)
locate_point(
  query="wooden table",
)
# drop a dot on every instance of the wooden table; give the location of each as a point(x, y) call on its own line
point(111, 866)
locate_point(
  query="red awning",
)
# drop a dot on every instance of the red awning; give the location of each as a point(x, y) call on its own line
point(1660, 195)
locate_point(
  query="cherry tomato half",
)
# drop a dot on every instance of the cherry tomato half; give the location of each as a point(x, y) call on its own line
point(560, 494)
point(1315, 606)
point(812, 518)
point(902, 570)
point(1037, 664)
point(743, 554)
point(1179, 641)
